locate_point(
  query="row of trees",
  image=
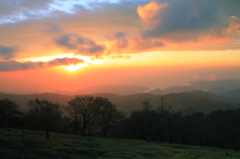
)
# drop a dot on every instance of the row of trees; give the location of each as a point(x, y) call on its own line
point(81, 113)
point(217, 129)
point(89, 111)
point(89, 115)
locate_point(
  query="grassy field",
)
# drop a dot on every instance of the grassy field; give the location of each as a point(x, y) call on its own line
point(76, 147)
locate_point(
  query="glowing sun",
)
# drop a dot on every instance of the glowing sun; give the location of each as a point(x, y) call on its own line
point(73, 68)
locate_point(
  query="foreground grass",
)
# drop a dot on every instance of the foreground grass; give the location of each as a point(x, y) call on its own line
point(76, 147)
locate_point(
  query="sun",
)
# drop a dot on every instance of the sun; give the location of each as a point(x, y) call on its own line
point(73, 68)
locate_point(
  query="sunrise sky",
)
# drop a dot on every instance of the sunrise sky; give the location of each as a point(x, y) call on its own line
point(48, 45)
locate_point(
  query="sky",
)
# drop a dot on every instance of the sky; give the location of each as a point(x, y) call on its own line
point(68, 45)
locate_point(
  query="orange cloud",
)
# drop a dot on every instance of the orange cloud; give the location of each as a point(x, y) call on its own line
point(15, 65)
point(150, 12)
point(234, 26)
point(120, 57)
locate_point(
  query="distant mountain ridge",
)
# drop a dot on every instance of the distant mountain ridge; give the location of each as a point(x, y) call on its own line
point(232, 94)
point(130, 97)
point(114, 89)
point(218, 90)
point(186, 102)
point(228, 84)
point(172, 89)
point(217, 87)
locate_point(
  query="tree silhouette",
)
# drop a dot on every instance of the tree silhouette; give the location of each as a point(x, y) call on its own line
point(82, 110)
point(108, 114)
point(149, 116)
point(8, 112)
point(47, 113)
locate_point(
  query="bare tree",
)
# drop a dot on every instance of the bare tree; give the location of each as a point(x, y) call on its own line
point(108, 115)
point(146, 106)
point(82, 110)
point(149, 117)
point(165, 114)
point(48, 113)
point(8, 109)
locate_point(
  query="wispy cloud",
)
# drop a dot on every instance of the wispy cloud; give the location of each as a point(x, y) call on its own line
point(15, 65)
point(65, 61)
point(13, 11)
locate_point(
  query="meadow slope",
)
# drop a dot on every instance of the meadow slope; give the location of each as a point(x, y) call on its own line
point(76, 147)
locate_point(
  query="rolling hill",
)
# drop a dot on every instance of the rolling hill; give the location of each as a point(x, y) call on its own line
point(187, 102)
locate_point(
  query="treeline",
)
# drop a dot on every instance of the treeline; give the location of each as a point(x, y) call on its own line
point(97, 116)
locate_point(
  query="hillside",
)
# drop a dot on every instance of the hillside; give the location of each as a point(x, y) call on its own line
point(23, 99)
point(14, 142)
point(218, 90)
point(187, 102)
point(172, 89)
point(232, 94)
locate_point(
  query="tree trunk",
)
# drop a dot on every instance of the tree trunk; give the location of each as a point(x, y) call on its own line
point(170, 132)
point(47, 133)
point(200, 141)
point(170, 139)
point(104, 133)
point(84, 129)
point(149, 130)
point(234, 142)
point(158, 136)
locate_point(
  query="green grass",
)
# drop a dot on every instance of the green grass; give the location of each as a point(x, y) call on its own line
point(76, 147)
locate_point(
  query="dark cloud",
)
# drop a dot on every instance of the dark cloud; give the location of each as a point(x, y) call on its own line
point(80, 45)
point(65, 61)
point(134, 45)
point(53, 28)
point(15, 66)
point(186, 20)
point(119, 35)
point(121, 41)
point(6, 52)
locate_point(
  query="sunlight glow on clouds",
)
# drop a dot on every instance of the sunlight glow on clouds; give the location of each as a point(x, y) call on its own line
point(98, 29)
point(86, 59)
point(15, 65)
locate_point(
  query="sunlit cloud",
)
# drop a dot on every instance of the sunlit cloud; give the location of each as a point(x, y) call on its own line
point(86, 28)
point(15, 65)
point(120, 57)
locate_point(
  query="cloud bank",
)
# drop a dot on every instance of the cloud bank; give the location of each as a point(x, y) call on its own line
point(16, 66)
point(182, 21)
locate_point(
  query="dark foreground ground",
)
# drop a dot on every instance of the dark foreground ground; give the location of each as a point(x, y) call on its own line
point(32, 144)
